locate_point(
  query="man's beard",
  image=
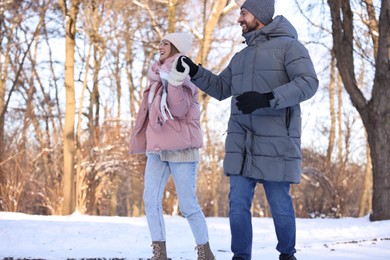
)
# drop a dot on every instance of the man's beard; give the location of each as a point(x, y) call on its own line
point(251, 26)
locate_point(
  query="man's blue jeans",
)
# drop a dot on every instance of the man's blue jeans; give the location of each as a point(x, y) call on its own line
point(240, 201)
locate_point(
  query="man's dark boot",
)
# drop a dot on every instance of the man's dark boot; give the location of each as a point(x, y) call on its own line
point(287, 257)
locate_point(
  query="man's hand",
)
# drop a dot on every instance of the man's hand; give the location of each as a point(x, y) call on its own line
point(252, 100)
point(183, 61)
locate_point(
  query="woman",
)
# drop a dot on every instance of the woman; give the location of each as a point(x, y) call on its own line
point(168, 130)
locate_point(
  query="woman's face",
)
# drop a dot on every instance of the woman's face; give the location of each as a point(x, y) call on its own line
point(165, 49)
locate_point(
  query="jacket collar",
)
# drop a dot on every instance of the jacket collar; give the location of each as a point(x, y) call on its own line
point(280, 26)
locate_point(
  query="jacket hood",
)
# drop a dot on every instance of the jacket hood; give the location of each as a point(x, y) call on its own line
point(280, 26)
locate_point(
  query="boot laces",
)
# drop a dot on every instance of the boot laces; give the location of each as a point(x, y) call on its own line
point(201, 252)
point(156, 251)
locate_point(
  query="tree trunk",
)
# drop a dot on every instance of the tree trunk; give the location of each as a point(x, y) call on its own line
point(379, 138)
point(2, 118)
point(375, 113)
point(94, 114)
point(340, 119)
point(364, 204)
point(171, 5)
point(4, 61)
point(379, 130)
point(69, 185)
point(332, 131)
point(81, 203)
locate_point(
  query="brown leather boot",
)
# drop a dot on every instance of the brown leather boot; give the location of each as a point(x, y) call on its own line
point(159, 251)
point(204, 252)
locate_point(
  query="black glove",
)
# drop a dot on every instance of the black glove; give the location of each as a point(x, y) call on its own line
point(252, 100)
point(190, 63)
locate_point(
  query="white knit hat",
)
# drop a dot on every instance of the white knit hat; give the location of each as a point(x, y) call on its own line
point(181, 40)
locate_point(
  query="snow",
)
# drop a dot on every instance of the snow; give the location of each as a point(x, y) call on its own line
point(80, 236)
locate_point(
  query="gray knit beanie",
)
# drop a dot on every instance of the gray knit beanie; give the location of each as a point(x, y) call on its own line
point(263, 10)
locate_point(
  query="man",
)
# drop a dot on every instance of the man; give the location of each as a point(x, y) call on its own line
point(267, 81)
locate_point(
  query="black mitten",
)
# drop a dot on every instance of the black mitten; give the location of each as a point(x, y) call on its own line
point(252, 100)
point(190, 63)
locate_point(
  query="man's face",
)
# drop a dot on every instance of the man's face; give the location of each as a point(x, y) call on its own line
point(248, 21)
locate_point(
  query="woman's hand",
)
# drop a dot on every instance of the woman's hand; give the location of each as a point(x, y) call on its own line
point(177, 77)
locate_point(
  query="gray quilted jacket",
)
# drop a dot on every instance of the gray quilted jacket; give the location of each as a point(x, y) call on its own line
point(266, 144)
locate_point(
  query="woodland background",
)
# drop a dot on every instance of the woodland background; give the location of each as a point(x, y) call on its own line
point(72, 77)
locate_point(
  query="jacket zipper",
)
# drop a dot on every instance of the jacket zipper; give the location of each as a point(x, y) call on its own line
point(288, 120)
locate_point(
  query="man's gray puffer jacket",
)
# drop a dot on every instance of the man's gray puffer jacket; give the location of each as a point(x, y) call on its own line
point(266, 144)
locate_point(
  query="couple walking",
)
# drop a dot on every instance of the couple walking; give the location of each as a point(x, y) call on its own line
point(267, 81)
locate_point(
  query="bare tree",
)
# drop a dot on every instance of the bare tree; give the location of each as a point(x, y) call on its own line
point(332, 131)
point(375, 112)
point(365, 202)
point(4, 61)
point(70, 12)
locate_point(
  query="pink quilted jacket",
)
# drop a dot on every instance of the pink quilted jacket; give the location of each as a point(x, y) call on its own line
point(183, 131)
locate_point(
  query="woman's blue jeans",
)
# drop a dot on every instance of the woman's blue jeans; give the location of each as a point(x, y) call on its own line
point(184, 175)
point(240, 201)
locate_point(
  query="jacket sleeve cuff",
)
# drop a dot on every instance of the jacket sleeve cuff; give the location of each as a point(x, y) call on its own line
point(269, 96)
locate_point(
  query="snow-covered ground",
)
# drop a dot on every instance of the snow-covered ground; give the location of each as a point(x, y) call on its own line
point(79, 236)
